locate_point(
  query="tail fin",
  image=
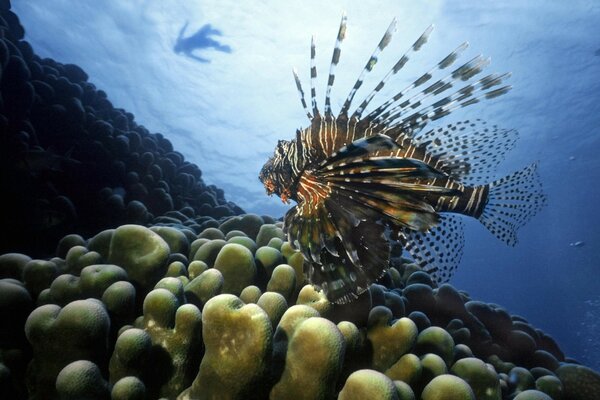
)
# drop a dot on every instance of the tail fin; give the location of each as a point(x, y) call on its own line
point(512, 201)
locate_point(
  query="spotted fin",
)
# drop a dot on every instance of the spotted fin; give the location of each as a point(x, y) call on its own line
point(438, 251)
point(512, 201)
point(468, 151)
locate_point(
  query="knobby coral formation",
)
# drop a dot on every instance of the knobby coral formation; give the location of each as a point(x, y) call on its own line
point(75, 163)
point(221, 320)
point(190, 300)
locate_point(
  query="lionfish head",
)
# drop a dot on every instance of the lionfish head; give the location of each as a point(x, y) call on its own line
point(276, 174)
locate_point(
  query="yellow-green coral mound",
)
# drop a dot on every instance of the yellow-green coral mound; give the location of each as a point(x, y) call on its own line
point(313, 361)
point(368, 384)
point(237, 337)
point(447, 387)
point(155, 312)
point(579, 382)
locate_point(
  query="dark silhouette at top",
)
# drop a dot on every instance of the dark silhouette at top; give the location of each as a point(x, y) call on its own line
point(199, 40)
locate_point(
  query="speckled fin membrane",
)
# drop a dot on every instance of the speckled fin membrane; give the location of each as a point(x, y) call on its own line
point(439, 250)
point(512, 201)
point(468, 151)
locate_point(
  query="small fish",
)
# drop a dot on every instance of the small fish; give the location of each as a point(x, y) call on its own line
point(577, 244)
point(360, 180)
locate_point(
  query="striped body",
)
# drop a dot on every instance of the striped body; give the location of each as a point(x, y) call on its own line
point(326, 136)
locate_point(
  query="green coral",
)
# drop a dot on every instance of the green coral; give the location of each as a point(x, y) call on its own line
point(128, 388)
point(236, 263)
point(237, 337)
point(579, 381)
point(82, 379)
point(168, 335)
point(437, 341)
point(92, 282)
point(141, 252)
point(532, 395)
point(204, 287)
point(447, 387)
point(481, 377)
point(407, 369)
point(313, 361)
point(59, 336)
point(268, 232)
point(274, 304)
point(283, 281)
point(176, 328)
point(12, 265)
point(389, 339)
point(368, 384)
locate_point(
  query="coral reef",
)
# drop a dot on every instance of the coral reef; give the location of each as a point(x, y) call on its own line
point(77, 164)
point(157, 287)
point(192, 327)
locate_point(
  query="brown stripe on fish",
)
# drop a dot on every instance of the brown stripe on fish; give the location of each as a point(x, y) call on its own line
point(335, 59)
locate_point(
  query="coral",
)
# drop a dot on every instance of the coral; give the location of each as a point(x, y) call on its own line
point(482, 379)
point(92, 282)
point(368, 384)
point(81, 379)
point(141, 252)
point(223, 326)
point(579, 382)
point(78, 165)
point(59, 336)
point(315, 352)
point(236, 264)
point(447, 387)
point(128, 388)
point(532, 395)
point(238, 342)
point(389, 339)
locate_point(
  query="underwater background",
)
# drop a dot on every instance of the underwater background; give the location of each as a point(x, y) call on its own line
point(227, 113)
point(225, 98)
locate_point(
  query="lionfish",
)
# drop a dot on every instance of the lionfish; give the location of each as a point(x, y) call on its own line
point(362, 180)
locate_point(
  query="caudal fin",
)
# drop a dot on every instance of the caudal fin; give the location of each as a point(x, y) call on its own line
point(512, 201)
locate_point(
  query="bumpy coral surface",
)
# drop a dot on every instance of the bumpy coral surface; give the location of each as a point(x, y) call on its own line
point(159, 313)
point(75, 163)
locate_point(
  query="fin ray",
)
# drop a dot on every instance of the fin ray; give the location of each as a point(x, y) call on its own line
point(439, 250)
point(416, 46)
point(335, 59)
point(385, 40)
point(468, 151)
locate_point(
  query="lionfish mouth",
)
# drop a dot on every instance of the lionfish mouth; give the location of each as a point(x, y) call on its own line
point(270, 187)
point(285, 196)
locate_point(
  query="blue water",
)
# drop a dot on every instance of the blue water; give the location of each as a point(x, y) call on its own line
point(226, 102)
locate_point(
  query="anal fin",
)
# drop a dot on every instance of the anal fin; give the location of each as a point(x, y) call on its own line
point(438, 251)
